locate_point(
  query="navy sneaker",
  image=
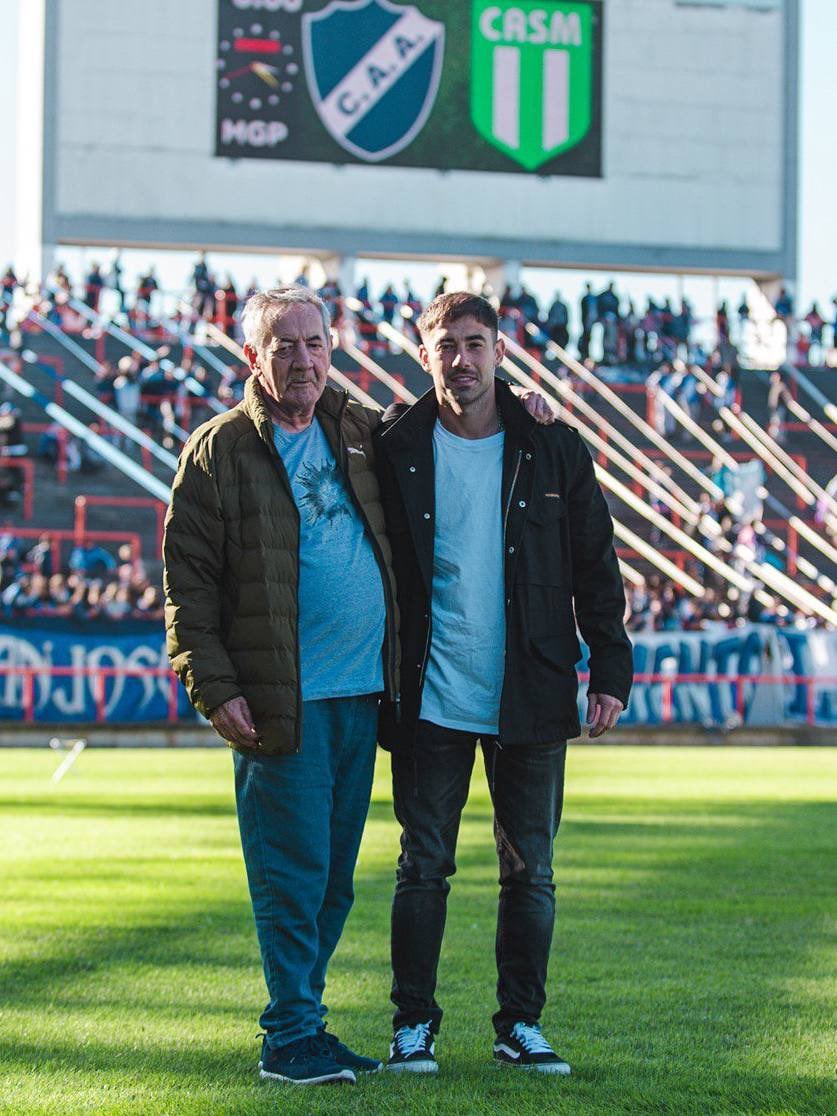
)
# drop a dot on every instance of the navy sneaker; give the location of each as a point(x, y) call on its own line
point(307, 1061)
point(341, 1053)
point(412, 1050)
point(525, 1046)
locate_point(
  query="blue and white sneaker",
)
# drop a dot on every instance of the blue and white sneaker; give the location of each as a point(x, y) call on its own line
point(412, 1050)
point(525, 1046)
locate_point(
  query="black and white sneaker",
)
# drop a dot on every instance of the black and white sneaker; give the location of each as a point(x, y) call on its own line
point(412, 1050)
point(525, 1046)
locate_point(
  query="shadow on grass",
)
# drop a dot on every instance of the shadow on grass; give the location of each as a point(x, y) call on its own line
point(676, 995)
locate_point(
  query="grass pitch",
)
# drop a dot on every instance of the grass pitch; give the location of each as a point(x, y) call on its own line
point(692, 970)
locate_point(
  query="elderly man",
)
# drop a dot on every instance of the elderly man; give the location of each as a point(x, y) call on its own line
point(502, 540)
point(281, 624)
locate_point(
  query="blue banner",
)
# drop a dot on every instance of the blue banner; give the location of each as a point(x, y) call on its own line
point(754, 649)
point(123, 647)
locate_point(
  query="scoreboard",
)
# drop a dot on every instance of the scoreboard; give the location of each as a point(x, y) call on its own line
point(658, 134)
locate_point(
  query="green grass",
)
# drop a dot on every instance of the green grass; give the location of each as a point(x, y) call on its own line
point(691, 972)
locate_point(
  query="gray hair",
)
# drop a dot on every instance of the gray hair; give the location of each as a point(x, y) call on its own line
point(264, 307)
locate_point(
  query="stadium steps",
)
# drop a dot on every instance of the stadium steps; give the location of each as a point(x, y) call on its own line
point(54, 502)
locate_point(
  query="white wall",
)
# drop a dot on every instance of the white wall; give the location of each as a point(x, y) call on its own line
point(692, 154)
point(9, 20)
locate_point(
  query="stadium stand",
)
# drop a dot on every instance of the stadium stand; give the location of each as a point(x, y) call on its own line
point(719, 478)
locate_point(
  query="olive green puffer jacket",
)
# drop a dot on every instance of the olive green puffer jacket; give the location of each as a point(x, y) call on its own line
point(231, 561)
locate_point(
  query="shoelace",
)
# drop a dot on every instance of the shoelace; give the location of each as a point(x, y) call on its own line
point(411, 1039)
point(529, 1036)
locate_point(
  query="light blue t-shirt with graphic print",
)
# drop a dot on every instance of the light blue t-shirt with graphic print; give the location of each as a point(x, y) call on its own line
point(342, 610)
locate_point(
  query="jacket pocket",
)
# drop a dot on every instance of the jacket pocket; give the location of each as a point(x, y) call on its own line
point(561, 651)
point(543, 557)
point(548, 510)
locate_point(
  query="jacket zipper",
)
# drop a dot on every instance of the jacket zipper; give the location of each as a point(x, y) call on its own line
point(511, 494)
point(379, 558)
point(506, 588)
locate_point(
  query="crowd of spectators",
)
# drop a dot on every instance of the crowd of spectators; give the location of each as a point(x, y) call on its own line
point(157, 393)
point(628, 334)
point(94, 585)
point(663, 605)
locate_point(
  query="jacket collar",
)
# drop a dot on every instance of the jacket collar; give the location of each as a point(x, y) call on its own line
point(421, 417)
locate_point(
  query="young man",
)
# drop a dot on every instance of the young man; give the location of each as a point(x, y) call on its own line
point(501, 541)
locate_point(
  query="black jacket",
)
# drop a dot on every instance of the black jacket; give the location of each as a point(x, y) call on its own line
point(558, 553)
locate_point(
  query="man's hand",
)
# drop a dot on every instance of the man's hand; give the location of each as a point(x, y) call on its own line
point(538, 407)
point(234, 722)
point(602, 713)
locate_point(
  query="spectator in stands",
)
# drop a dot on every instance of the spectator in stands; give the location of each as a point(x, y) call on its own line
point(411, 308)
point(303, 279)
point(149, 604)
point(104, 376)
point(203, 288)
point(12, 448)
point(116, 282)
point(8, 283)
point(61, 280)
point(629, 331)
point(589, 316)
point(146, 288)
point(227, 304)
point(743, 314)
point(507, 313)
point(93, 286)
point(389, 304)
point(722, 323)
point(362, 294)
point(126, 390)
point(778, 398)
point(682, 330)
point(332, 296)
point(558, 321)
point(816, 325)
point(783, 307)
point(91, 559)
point(608, 313)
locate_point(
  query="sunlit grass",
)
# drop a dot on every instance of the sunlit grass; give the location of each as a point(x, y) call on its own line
point(692, 967)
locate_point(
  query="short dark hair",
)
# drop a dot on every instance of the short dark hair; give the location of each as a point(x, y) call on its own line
point(446, 308)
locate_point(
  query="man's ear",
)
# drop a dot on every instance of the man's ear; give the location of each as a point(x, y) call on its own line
point(252, 357)
point(499, 351)
point(424, 357)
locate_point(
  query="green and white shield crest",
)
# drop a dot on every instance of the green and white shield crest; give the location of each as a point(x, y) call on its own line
point(532, 76)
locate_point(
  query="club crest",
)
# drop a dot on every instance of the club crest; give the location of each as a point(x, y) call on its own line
point(373, 72)
point(532, 76)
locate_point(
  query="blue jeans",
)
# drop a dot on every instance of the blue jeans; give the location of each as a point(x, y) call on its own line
point(301, 818)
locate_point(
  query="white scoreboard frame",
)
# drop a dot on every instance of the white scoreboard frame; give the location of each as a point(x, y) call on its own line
point(318, 238)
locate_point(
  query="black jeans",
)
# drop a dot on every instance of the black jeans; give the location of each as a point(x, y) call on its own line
point(430, 788)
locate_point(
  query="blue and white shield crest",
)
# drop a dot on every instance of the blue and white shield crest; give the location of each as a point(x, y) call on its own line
point(373, 71)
